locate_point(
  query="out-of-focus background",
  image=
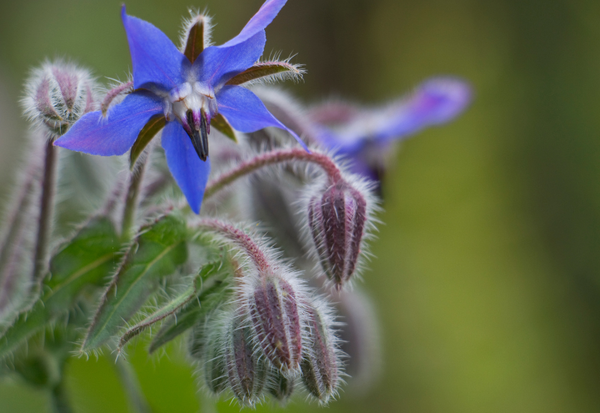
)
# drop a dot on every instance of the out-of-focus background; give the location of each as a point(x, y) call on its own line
point(487, 276)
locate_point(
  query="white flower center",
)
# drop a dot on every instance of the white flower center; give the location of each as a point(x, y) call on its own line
point(188, 96)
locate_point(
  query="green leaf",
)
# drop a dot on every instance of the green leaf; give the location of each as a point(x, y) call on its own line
point(84, 261)
point(169, 309)
point(156, 253)
point(213, 292)
point(174, 305)
point(87, 260)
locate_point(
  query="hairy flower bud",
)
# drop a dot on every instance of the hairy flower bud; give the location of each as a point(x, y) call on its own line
point(320, 362)
point(246, 372)
point(274, 313)
point(210, 351)
point(58, 94)
point(337, 219)
point(280, 385)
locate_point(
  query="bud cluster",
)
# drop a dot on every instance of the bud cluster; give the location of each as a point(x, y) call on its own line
point(274, 332)
point(257, 329)
point(58, 94)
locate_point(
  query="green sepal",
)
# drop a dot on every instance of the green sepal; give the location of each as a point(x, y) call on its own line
point(155, 253)
point(222, 125)
point(84, 261)
point(215, 287)
point(152, 127)
point(264, 69)
point(195, 40)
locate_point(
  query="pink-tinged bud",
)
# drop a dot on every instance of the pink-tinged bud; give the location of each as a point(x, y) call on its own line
point(274, 313)
point(320, 362)
point(246, 372)
point(337, 219)
point(58, 94)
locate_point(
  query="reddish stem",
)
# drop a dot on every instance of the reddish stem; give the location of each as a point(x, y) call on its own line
point(241, 239)
point(274, 157)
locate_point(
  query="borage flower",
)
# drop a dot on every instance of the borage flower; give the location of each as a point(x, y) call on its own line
point(364, 135)
point(185, 93)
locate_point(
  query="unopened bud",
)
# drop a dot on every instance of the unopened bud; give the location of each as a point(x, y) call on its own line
point(246, 372)
point(337, 219)
point(58, 94)
point(207, 344)
point(320, 362)
point(280, 385)
point(274, 312)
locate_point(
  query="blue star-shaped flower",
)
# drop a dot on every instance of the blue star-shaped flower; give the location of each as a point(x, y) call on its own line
point(184, 92)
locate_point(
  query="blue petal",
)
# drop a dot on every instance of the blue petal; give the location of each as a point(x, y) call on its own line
point(245, 111)
point(435, 101)
point(360, 166)
point(155, 59)
point(189, 171)
point(263, 17)
point(217, 64)
point(340, 142)
point(115, 133)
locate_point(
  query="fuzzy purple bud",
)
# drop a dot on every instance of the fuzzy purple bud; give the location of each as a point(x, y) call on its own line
point(274, 313)
point(337, 221)
point(246, 372)
point(320, 363)
point(58, 94)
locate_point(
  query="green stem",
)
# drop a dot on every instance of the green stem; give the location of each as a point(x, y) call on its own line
point(271, 158)
point(132, 387)
point(46, 210)
point(14, 220)
point(131, 202)
point(60, 404)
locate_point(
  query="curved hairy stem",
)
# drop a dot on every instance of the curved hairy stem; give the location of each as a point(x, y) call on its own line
point(271, 158)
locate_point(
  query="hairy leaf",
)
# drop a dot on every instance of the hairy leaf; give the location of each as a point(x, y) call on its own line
point(215, 286)
point(169, 309)
point(84, 261)
point(155, 253)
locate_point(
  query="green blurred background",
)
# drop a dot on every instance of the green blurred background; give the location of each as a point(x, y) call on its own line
point(486, 281)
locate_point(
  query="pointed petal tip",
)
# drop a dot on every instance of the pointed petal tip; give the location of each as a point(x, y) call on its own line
point(190, 173)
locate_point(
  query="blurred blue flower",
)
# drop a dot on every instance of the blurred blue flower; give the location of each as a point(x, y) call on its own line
point(184, 91)
point(363, 136)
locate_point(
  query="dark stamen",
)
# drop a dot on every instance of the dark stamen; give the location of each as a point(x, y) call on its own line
point(204, 130)
point(199, 135)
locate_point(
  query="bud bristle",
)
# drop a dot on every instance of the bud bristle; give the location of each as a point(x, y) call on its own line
point(246, 372)
point(57, 95)
point(337, 217)
point(321, 363)
point(276, 321)
point(280, 386)
point(215, 368)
